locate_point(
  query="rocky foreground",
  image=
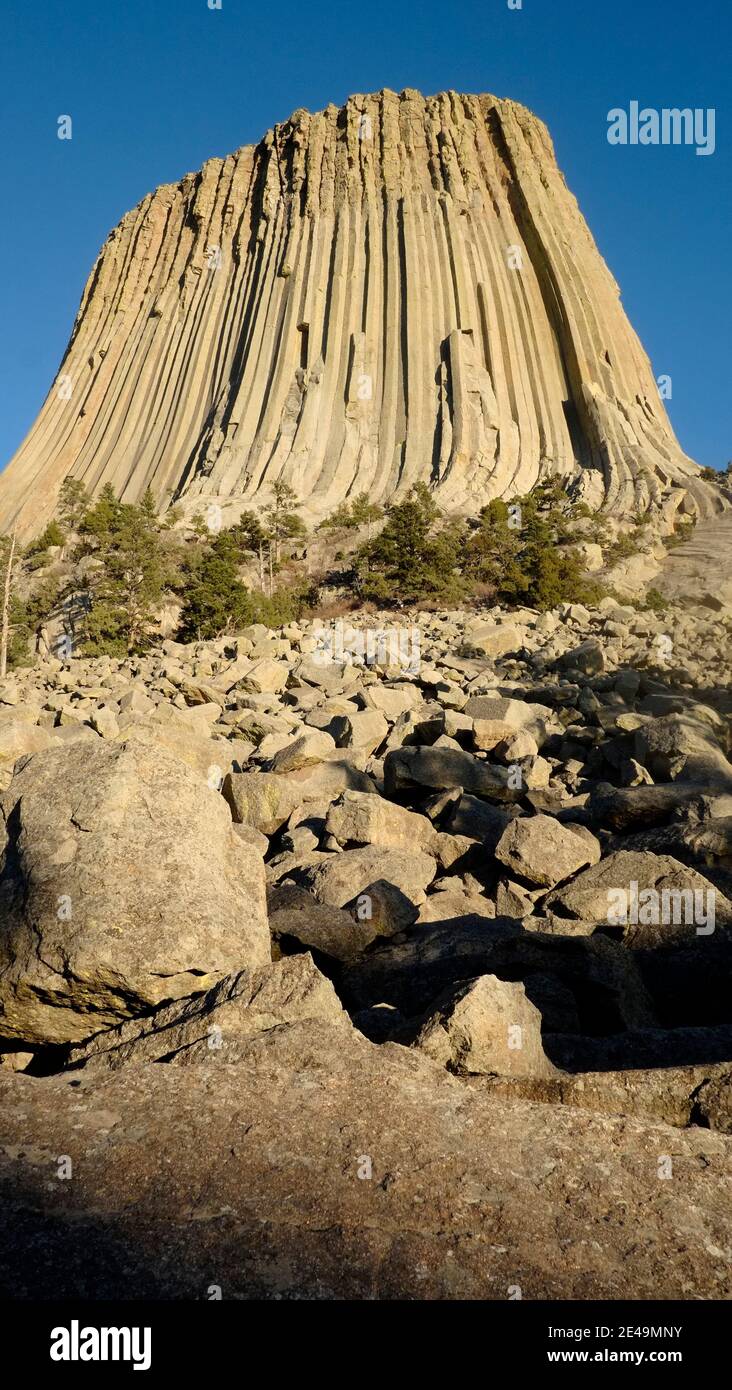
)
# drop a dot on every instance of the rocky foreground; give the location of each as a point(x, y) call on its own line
point(338, 962)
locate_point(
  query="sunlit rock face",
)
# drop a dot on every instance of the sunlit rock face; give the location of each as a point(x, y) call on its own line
point(399, 289)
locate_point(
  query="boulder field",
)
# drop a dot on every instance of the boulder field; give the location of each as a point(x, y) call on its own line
point(332, 978)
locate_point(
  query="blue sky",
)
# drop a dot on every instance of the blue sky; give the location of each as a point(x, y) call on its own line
point(155, 87)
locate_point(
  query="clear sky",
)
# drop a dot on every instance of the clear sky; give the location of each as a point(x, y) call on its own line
point(155, 87)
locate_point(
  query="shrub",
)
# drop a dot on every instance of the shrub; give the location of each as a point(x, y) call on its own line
point(216, 600)
point(415, 556)
point(350, 515)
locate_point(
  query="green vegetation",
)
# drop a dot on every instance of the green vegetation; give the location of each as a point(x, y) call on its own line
point(516, 552)
point(73, 503)
point(654, 601)
point(682, 531)
point(351, 515)
point(216, 600)
point(414, 557)
point(24, 614)
point(118, 564)
point(722, 476)
point(36, 555)
point(127, 572)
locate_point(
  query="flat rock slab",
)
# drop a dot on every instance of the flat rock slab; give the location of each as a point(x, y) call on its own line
point(247, 1177)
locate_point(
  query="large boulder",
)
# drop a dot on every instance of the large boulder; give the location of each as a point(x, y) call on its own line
point(588, 658)
point(267, 799)
point(454, 901)
point(486, 1026)
point(211, 758)
point(358, 818)
point(625, 808)
point(542, 850)
point(496, 718)
point(295, 915)
point(477, 820)
point(122, 884)
point(341, 877)
point(366, 731)
point(307, 750)
point(492, 639)
point(652, 898)
point(441, 768)
point(19, 737)
point(214, 1027)
point(322, 1166)
point(683, 747)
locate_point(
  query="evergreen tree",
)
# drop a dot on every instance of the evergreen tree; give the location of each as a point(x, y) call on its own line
point(350, 515)
point(283, 521)
point(129, 571)
point(36, 553)
point(73, 503)
point(411, 558)
point(216, 600)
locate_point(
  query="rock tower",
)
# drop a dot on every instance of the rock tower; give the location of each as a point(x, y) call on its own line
point(399, 289)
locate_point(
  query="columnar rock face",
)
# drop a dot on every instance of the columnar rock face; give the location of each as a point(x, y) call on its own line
point(400, 289)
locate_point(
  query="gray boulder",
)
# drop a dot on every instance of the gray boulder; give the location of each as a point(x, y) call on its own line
point(215, 1027)
point(544, 851)
point(122, 883)
point(488, 1026)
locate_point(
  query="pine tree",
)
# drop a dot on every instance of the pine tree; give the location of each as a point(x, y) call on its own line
point(10, 558)
point(411, 558)
point(282, 518)
point(216, 600)
point(127, 576)
point(73, 503)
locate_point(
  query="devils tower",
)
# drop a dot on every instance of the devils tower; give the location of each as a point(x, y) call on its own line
point(401, 289)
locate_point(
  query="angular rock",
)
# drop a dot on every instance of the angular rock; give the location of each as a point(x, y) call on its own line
point(443, 768)
point(384, 908)
point(654, 899)
point(260, 1162)
point(510, 716)
point(544, 851)
point(486, 1026)
point(393, 700)
point(267, 799)
point(588, 658)
point(477, 820)
point(358, 818)
point(310, 748)
point(366, 730)
point(19, 738)
point(681, 747)
point(265, 675)
point(451, 903)
point(602, 975)
point(122, 884)
point(296, 914)
point(346, 876)
point(213, 1028)
point(104, 722)
point(620, 808)
point(493, 639)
